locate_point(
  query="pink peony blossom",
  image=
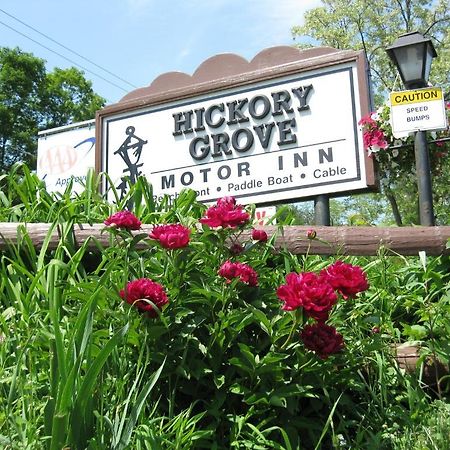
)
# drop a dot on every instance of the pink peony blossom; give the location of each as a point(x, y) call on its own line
point(171, 236)
point(138, 291)
point(259, 235)
point(244, 272)
point(347, 279)
point(310, 291)
point(226, 214)
point(125, 220)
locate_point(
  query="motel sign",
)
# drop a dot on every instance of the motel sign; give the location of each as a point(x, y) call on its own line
point(281, 127)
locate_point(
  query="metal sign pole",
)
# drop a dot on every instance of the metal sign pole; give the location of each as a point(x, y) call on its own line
point(423, 174)
point(322, 210)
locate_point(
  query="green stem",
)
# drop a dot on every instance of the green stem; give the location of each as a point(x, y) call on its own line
point(298, 316)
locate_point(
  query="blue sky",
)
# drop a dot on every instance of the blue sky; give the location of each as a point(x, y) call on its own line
point(138, 40)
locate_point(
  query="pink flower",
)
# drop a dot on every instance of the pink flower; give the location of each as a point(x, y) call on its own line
point(378, 139)
point(259, 235)
point(311, 234)
point(171, 236)
point(226, 214)
point(374, 138)
point(322, 339)
point(367, 122)
point(346, 279)
point(227, 200)
point(228, 270)
point(137, 292)
point(310, 291)
point(244, 272)
point(125, 220)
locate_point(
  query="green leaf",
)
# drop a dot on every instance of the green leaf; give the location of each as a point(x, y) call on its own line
point(79, 412)
point(135, 412)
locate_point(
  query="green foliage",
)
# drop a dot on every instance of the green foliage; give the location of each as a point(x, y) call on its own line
point(21, 78)
point(69, 98)
point(32, 99)
point(431, 433)
point(372, 26)
point(354, 210)
point(222, 366)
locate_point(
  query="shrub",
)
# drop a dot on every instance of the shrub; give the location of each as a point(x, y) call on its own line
point(173, 339)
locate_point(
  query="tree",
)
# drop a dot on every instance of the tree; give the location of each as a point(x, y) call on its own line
point(21, 79)
point(32, 99)
point(363, 209)
point(68, 98)
point(372, 26)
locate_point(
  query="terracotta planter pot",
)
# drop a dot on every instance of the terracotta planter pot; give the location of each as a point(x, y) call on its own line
point(408, 356)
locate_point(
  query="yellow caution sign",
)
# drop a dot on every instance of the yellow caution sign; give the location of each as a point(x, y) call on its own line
point(417, 96)
point(420, 109)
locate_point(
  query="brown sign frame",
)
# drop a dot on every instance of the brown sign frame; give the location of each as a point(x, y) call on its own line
point(226, 71)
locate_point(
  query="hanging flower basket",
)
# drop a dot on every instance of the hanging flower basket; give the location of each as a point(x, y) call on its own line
point(395, 155)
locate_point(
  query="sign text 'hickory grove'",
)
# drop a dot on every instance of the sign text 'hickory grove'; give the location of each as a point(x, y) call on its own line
point(258, 107)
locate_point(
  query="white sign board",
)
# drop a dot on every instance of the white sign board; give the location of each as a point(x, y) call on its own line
point(291, 137)
point(420, 109)
point(65, 154)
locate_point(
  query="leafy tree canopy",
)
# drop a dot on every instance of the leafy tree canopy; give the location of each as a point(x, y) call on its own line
point(372, 26)
point(32, 99)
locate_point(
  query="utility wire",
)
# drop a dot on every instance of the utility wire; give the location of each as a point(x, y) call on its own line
point(64, 57)
point(68, 49)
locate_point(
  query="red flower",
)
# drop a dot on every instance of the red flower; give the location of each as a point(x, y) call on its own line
point(246, 274)
point(311, 234)
point(346, 279)
point(310, 291)
point(123, 219)
point(237, 249)
point(226, 214)
point(322, 339)
point(171, 236)
point(259, 235)
point(137, 292)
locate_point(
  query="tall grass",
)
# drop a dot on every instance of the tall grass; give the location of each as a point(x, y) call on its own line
point(222, 367)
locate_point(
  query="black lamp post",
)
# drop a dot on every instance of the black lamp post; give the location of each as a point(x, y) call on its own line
point(412, 54)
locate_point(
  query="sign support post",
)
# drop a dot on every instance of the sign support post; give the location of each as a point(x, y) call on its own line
point(322, 210)
point(416, 111)
point(423, 174)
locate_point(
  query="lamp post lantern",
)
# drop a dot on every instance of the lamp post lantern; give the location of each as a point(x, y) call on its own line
point(412, 54)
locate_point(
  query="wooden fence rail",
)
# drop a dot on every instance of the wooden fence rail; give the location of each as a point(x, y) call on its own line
point(330, 240)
